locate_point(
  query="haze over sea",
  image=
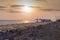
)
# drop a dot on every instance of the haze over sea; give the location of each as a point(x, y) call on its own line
point(9, 21)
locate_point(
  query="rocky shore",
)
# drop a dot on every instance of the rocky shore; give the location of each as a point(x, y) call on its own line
point(50, 31)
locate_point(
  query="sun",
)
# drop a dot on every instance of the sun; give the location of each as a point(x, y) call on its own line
point(26, 9)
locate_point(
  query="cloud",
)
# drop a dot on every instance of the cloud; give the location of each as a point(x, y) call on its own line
point(49, 4)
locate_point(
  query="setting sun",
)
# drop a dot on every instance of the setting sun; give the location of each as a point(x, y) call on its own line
point(26, 9)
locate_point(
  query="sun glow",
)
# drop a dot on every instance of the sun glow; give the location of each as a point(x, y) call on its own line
point(26, 21)
point(26, 9)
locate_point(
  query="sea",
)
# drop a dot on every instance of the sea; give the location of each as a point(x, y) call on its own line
point(9, 22)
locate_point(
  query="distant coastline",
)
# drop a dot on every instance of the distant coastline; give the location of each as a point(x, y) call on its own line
point(9, 21)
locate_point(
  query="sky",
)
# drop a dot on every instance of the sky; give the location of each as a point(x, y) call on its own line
point(35, 12)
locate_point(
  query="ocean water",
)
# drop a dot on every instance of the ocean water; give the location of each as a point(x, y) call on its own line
point(9, 21)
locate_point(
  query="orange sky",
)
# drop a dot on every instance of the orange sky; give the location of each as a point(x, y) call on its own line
point(53, 4)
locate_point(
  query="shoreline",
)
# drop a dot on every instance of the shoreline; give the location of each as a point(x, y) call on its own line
point(20, 26)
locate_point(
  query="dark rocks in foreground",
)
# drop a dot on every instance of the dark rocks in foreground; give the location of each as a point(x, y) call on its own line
point(49, 31)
